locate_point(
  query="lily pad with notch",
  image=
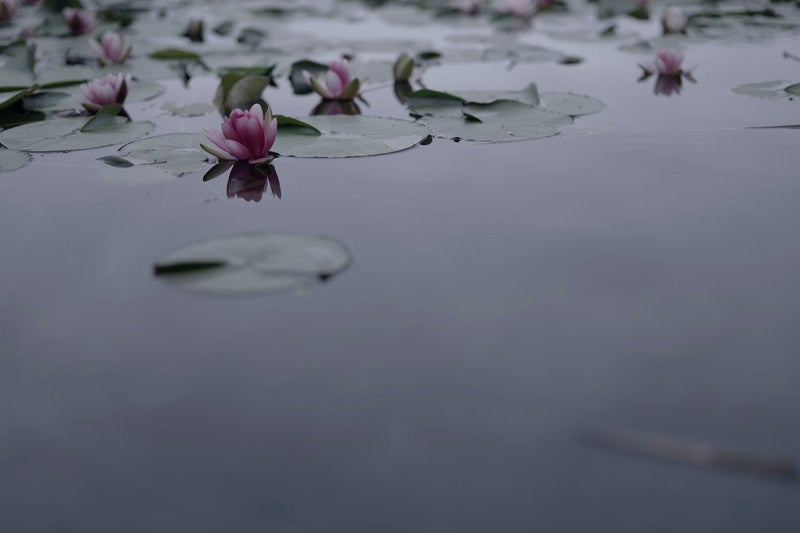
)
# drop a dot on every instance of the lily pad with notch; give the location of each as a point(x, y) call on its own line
point(346, 136)
point(255, 263)
point(67, 134)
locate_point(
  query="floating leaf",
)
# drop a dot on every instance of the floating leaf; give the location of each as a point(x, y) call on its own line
point(174, 153)
point(12, 160)
point(7, 100)
point(64, 134)
point(239, 91)
point(498, 122)
point(179, 54)
point(114, 161)
point(254, 263)
point(194, 109)
point(142, 91)
point(793, 89)
point(571, 104)
point(298, 80)
point(349, 136)
point(766, 89)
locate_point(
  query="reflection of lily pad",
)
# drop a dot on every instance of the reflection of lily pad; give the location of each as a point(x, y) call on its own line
point(12, 160)
point(768, 89)
point(349, 136)
point(254, 263)
point(64, 134)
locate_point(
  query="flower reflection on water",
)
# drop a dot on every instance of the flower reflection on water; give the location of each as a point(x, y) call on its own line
point(247, 181)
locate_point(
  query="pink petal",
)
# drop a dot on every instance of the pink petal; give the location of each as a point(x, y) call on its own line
point(334, 84)
point(216, 137)
point(270, 133)
point(237, 150)
point(340, 68)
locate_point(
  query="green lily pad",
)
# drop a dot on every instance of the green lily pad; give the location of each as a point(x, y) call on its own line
point(194, 109)
point(348, 136)
point(239, 91)
point(12, 160)
point(64, 134)
point(254, 264)
point(173, 153)
point(497, 122)
point(571, 104)
point(767, 89)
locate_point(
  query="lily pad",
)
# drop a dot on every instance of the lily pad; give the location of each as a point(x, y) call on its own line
point(239, 91)
point(12, 160)
point(571, 104)
point(768, 89)
point(64, 134)
point(174, 153)
point(194, 109)
point(348, 136)
point(498, 122)
point(254, 264)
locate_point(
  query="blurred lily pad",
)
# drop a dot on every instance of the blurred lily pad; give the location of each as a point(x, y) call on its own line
point(254, 264)
point(12, 160)
point(571, 104)
point(769, 89)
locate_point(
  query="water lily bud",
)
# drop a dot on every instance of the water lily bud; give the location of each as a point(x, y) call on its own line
point(674, 20)
point(111, 48)
point(336, 85)
point(79, 21)
point(246, 135)
point(403, 67)
point(100, 92)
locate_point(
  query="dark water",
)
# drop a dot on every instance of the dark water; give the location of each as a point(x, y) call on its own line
point(639, 271)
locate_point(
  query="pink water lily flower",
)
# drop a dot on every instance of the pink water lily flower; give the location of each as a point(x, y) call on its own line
point(667, 63)
point(523, 9)
point(336, 85)
point(7, 9)
point(79, 21)
point(100, 92)
point(111, 48)
point(674, 20)
point(246, 135)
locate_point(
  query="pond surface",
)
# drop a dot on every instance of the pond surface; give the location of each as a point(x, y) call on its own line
point(638, 272)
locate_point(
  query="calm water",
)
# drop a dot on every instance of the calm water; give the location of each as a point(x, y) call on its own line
point(640, 271)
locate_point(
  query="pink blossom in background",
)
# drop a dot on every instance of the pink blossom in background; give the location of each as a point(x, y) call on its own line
point(246, 135)
point(100, 92)
point(111, 49)
point(79, 21)
point(7, 9)
point(674, 20)
point(336, 85)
